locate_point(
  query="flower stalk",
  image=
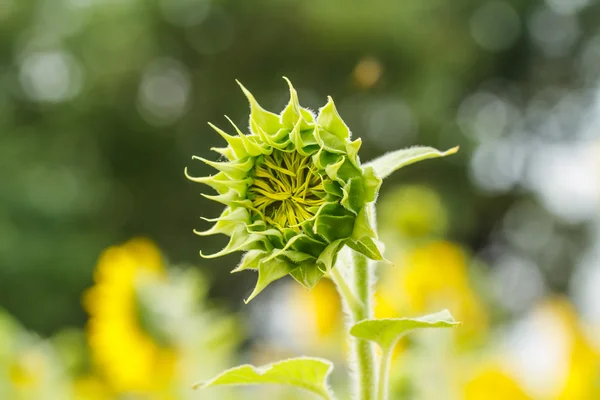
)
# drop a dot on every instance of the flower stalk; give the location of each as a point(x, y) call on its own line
point(364, 350)
point(358, 302)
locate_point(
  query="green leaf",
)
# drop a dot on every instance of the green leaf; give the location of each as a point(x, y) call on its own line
point(391, 162)
point(386, 332)
point(304, 372)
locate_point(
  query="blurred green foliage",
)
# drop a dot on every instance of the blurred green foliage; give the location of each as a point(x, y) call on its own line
point(103, 102)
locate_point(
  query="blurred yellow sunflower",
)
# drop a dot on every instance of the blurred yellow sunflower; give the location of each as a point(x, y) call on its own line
point(28, 370)
point(123, 351)
point(580, 361)
point(320, 310)
point(90, 387)
point(432, 277)
point(490, 382)
point(413, 212)
point(583, 377)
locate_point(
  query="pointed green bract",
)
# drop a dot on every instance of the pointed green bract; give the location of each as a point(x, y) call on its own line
point(305, 373)
point(388, 163)
point(295, 191)
point(386, 332)
point(270, 271)
point(331, 121)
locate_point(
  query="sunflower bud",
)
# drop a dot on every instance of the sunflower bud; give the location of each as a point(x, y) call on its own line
point(295, 193)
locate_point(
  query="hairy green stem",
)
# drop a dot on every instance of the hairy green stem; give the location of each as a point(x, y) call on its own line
point(354, 305)
point(364, 350)
point(357, 299)
point(384, 373)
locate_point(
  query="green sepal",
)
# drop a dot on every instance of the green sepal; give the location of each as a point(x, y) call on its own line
point(354, 197)
point(333, 189)
point(308, 274)
point(385, 165)
point(230, 198)
point(332, 168)
point(294, 115)
point(328, 257)
point(296, 138)
point(352, 150)
point(309, 145)
point(259, 117)
point(250, 260)
point(275, 139)
point(240, 241)
point(226, 152)
point(332, 122)
point(268, 272)
point(249, 142)
point(372, 184)
point(227, 222)
point(329, 141)
point(333, 227)
point(306, 373)
point(236, 170)
point(222, 183)
point(297, 257)
point(290, 244)
point(386, 332)
point(348, 171)
point(362, 225)
point(235, 143)
point(308, 245)
point(365, 246)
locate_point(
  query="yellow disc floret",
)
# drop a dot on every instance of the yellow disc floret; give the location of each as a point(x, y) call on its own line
point(286, 189)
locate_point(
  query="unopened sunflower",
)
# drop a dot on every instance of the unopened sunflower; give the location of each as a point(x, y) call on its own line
point(295, 192)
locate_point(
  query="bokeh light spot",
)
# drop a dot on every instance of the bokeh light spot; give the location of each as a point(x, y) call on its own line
point(185, 13)
point(52, 76)
point(367, 72)
point(495, 26)
point(390, 123)
point(214, 34)
point(567, 6)
point(555, 34)
point(164, 93)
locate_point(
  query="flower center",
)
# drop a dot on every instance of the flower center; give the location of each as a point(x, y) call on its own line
point(286, 190)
